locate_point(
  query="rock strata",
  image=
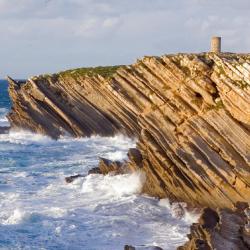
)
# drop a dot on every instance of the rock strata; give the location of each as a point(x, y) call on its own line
point(220, 230)
point(190, 113)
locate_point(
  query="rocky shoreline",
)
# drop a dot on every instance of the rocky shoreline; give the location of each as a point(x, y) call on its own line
point(190, 113)
point(221, 229)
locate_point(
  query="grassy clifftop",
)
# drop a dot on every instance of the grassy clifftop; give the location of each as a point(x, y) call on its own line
point(104, 71)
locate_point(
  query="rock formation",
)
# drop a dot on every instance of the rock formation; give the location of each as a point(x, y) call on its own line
point(221, 230)
point(190, 113)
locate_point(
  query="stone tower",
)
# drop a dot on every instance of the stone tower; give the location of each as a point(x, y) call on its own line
point(216, 44)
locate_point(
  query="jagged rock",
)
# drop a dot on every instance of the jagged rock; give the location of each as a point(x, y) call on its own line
point(220, 230)
point(190, 113)
point(107, 166)
point(135, 157)
point(71, 178)
point(94, 171)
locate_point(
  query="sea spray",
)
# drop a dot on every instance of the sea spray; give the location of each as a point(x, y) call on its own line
point(114, 186)
point(38, 210)
point(179, 210)
point(94, 212)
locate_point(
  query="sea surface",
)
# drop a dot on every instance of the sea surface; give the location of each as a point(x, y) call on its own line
point(38, 210)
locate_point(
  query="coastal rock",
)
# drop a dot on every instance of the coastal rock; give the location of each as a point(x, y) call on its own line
point(127, 247)
point(71, 178)
point(190, 113)
point(106, 166)
point(220, 230)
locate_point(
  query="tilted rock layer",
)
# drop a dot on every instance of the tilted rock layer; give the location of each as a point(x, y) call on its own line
point(190, 113)
point(223, 229)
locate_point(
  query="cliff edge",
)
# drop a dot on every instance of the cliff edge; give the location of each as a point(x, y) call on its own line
point(190, 113)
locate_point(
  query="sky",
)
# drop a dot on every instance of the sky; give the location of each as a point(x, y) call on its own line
point(47, 36)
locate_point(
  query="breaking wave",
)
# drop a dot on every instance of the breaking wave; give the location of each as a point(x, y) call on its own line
point(38, 210)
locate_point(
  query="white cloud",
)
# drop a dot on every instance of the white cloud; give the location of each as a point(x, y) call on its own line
point(110, 22)
point(49, 35)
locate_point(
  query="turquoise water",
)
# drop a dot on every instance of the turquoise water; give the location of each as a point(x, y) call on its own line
point(38, 210)
point(4, 97)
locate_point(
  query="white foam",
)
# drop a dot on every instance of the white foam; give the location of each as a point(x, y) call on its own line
point(24, 137)
point(16, 217)
point(4, 122)
point(56, 212)
point(115, 156)
point(3, 119)
point(164, 203)
point(20, 174)
point(191, 217)
point(99, 212)
point(58, 230)
point(114, 186)
point(187, 215)
point(4, 110)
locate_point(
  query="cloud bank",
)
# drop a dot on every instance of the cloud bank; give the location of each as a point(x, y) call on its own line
point(40, 36)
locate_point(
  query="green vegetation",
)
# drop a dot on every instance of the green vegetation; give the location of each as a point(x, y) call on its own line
point(186, 70)
point(219, 105)
point(221, 70)
point(154, 107)
point(104, 71)
point(197, 101)
point(241, 84)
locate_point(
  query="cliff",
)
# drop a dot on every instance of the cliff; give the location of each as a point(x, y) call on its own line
point(190, 113)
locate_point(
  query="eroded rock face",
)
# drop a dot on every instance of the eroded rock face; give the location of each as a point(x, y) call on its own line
point(190, 112)
point(220, 230)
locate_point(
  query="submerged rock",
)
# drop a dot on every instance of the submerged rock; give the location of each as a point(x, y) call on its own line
point(94, 171)
point(190, 113)
point(127, 247)
point(178, 211)
point(4, 130)
point(73, 177)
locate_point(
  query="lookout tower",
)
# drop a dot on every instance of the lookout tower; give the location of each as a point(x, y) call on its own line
point(216, 44)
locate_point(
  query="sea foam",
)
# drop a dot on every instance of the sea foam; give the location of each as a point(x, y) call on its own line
point(38, 210)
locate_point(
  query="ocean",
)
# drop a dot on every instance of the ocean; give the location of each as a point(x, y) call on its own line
point(39, 210)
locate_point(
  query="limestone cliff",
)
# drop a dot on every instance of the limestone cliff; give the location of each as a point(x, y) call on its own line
point(190, 112)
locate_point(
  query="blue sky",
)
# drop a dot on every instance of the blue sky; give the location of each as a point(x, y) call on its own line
point(46, 36)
